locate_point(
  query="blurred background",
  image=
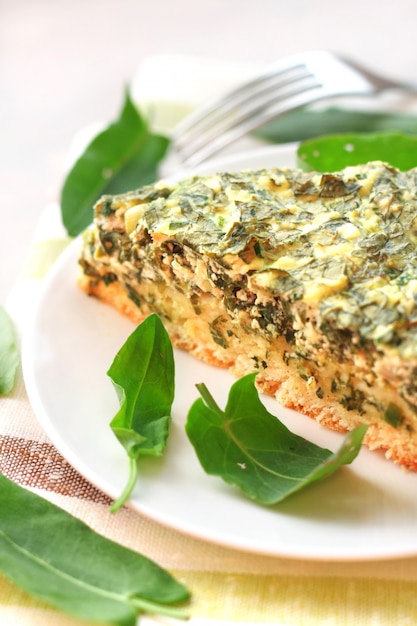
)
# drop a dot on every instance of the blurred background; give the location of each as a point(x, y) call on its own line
point(64, 64)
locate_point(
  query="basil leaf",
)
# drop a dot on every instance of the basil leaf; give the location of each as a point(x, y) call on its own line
point(143, 374)
point(9, 355)
point(249, 447)
point(305, 124)
point(57, 558)
point(122, 157)
point(333, 153)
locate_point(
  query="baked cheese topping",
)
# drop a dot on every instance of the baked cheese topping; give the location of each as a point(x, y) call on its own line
point(345, 242)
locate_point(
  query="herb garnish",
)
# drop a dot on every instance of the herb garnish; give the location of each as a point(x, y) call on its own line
point(59, 559)
point(143, 374)
point(122, 157)
point(303, 124)
point(334, 152)
point(393, 415)
point(249, 447)
point(9, 356)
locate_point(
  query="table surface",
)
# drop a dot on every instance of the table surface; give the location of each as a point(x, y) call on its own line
point(64, 65)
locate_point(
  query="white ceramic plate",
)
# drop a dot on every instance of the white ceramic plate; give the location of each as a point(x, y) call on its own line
point(366, 511)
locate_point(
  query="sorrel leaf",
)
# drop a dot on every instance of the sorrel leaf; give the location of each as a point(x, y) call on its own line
point(122, 157)
point(303, 124)
point(334, 152)
point(9, 355)
point(249, 447)
point(143, 374)
point(59, 559)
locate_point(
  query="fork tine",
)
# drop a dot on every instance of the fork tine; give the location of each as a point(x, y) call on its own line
point(221, 120)
point(246, 118)
point(290, 64)
point(246, 103)
point(257, 108)
point(212, 143)
point(238, 96)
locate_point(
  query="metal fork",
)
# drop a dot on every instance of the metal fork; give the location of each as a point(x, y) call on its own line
point(293, 82)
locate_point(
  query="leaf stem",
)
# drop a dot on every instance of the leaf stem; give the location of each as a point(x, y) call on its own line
point(159, 609)
point(125, 495)
point(208, 398)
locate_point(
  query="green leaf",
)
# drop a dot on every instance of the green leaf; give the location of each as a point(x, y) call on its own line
point(249, 447)
point(57, 558)
point(333, 153)
point(305, 124)
point(9, 355)
point(143, 374)
point(123, 157)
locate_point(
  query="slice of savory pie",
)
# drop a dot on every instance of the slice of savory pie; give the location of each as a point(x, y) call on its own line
point(310, 279)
